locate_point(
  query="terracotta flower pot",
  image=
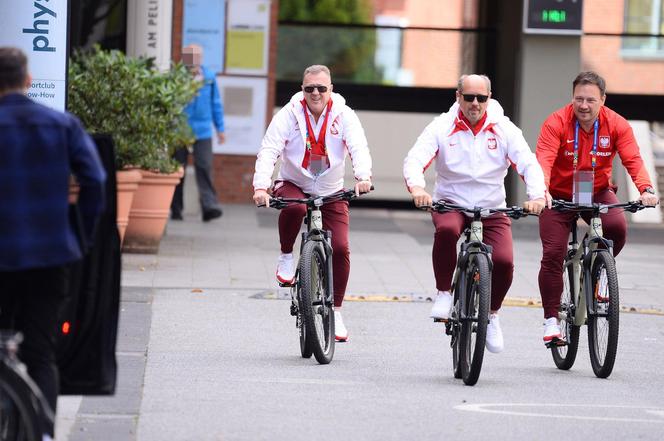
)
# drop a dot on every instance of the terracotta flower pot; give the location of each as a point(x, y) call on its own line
point(149, 211)
point(127, 184)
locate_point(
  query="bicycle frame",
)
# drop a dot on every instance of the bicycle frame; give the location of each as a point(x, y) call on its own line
point(472, 246)
point(315, 232)
point(582, 260)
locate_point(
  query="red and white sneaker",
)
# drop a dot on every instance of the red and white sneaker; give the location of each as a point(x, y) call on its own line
point(552, 331)
point(286, 269)
point(340, 331)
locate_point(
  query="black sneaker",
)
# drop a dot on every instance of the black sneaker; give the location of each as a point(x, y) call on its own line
point(176, 215)
point(212, 213)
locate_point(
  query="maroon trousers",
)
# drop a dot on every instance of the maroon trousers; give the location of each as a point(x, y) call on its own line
point(335, 219)
point(555, 229)
point(497, 233)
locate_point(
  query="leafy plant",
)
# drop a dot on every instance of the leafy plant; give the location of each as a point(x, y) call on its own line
point(130, 99)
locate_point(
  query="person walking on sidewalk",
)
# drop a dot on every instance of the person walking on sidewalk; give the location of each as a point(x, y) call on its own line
point(40, 148)
point(579, 141)
point(312, 134)
point(205, 110)
point(473, 144)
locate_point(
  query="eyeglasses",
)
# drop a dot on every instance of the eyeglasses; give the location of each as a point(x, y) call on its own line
point(470, 98)
point(310, 89)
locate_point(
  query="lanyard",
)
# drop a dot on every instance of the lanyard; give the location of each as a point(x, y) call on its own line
point(311, 138)
point(593, 153)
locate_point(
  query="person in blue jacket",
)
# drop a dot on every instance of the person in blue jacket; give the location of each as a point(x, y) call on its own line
point(203, 112)
point(41, 148)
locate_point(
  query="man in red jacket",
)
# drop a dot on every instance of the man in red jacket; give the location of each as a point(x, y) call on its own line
point(581, 139)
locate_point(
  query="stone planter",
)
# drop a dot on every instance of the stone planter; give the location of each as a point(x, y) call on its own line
point(149, 211)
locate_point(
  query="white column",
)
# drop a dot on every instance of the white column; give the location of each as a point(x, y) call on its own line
point(149, 30)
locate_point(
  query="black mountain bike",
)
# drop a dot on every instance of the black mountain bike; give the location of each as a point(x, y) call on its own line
point(471, 290)
point(590, 291)
point(311, 292)
point(23, 409)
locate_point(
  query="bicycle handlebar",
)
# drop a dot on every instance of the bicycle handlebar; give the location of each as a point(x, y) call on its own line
point(443, 207)
point(315, 201)
point(562, 205)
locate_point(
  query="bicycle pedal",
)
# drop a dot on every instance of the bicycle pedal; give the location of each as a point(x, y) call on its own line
point(440, 320)
point(293, 309)
point(286, 285)
point(556, 342)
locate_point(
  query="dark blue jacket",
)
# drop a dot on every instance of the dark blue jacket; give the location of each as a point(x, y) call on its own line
point(206, 108)
point(39, 149)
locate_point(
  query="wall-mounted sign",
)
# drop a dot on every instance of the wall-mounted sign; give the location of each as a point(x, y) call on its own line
point(553, 17)
point(40, 30)
point(204, 25)
point(247, 37)
point(244, 101)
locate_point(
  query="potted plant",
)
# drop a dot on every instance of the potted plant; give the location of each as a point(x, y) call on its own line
point(142, 108)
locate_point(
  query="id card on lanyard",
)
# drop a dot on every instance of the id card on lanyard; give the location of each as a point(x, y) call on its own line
point(584, 181)
point(315, 156)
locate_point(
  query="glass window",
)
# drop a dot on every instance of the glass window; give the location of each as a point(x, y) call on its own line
point(644, 17)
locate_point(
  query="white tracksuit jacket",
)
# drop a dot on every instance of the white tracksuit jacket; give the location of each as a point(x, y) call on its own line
point(285, 138)
point(470, 169)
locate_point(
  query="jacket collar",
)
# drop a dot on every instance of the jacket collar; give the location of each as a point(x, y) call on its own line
point(14, 98)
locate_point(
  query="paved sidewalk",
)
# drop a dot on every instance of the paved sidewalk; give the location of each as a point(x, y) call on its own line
point(204, 272)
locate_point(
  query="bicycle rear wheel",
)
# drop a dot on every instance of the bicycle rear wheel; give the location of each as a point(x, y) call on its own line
point(19, 419)
point(317, 312)
point(474, 324)
point(603, 324)
point(565, 355)
point(305, 345)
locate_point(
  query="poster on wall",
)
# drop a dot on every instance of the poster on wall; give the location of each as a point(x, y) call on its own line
point(244, 101)
point(204, 25)
point(247, 37)
point(40, 30)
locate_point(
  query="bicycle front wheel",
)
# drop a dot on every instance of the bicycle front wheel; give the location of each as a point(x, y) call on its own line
point(603, 323)
point(19, 419)
point(565, 355)
point(317, 312)
point(475, 318)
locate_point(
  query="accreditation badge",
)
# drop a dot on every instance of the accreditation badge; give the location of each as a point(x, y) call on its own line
point(318, 164)
point(582, 192)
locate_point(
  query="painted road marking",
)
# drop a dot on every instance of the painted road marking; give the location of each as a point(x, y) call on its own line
point(524, 302)
point(487, 408)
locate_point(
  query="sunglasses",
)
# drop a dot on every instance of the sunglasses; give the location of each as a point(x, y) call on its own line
point(310, 89)
point(470, 98)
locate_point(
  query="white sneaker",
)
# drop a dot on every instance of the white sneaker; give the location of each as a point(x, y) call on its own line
point(286, 269)
point(340, 331)
point(494, 335)
point(552, 330)
point(442, 306)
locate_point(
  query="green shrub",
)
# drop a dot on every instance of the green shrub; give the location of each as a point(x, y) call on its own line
point(141, 107)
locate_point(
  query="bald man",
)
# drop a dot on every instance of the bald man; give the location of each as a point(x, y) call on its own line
point(473, 145)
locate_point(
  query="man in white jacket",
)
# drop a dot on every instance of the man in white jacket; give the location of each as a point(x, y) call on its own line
point(473, 144)
point(312, 135)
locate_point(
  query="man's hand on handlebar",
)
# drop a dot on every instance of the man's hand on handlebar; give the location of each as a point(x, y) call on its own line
point(261, 198)
point(534, 206)
point(362, 187)
point(648, 199)
point(420, 197)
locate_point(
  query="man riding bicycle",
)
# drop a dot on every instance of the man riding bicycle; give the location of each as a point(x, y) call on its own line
point(312, 134)
point(473, 144)
point(577, 144)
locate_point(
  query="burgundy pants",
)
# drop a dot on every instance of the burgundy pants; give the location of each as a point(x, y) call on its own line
point(555, 229)
point(497, 233)
point(335, 219)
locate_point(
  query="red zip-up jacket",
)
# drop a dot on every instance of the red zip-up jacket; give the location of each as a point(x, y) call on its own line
point(555, 151)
